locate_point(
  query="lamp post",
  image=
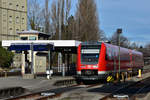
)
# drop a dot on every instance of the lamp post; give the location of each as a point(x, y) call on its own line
point(119, 31)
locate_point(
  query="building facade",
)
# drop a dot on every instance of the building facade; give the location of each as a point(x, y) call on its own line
point(40, 57)
point(13, 18)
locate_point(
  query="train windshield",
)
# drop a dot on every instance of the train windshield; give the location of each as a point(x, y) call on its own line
point(90, 54)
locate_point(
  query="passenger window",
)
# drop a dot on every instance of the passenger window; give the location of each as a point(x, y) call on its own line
point(106, 57)
point(110, 54)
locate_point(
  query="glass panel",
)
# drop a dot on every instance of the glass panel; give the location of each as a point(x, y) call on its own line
point(89, 58)
point(32, 38)
point(90, 53)
point(24, 38)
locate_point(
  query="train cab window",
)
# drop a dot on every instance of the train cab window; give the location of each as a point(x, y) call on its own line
point(89, 58)
point(90, 54)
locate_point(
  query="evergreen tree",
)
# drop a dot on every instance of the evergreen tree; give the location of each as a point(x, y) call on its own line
point(6, 57)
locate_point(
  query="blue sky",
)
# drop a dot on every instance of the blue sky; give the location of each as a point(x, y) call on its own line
point(133, 16)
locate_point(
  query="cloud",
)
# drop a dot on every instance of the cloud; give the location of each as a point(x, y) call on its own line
point(131, 15)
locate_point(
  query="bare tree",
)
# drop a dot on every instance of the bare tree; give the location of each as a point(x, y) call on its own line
point(55, 11)
point(103, 36)
point(35, 18)
point(68, 7)
point(69, 33)
point(54, 16)
point(47, 17)
point(147, 45)
point(59, 15)
point(124, 42)
point(88, 26)
point(134, 45)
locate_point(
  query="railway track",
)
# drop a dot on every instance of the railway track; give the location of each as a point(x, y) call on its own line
point(51, 93)
point(69, 86)
point(36, 96)
point(131, 91)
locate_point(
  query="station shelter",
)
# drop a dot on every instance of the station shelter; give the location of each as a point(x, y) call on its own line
point(37, 50)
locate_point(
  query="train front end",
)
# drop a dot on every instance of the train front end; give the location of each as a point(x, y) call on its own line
point(88, 61)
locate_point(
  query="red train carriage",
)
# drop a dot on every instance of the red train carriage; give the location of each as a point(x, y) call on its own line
point(97, 60)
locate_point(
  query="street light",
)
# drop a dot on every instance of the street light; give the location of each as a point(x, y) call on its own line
point(119, 31)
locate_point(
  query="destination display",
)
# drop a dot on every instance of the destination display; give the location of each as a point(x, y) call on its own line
point(85, 51)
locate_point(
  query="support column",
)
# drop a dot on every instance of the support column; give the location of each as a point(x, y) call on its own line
point(117, 76)
point(129, 78)
point(123, 77)
point(59, 62)
point(32, 59)
point(23, 64)
point(63, 67)
point(26, 62)
point(140, 73)
point(68, 67)
point(49, 63)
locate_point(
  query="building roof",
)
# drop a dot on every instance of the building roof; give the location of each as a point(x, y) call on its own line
point(68, 46)
point(57, 43)
point(29, 32)
point(33, 32)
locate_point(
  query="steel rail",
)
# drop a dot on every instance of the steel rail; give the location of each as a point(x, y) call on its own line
point(128, 86)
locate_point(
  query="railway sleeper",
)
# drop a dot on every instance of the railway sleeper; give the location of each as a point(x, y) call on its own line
point(11, 92)
point(64, 82)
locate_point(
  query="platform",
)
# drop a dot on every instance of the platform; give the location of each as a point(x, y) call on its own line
point(32, 85)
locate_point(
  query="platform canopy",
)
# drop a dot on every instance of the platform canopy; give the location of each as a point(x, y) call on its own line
point(69, 46)
point(29, 46)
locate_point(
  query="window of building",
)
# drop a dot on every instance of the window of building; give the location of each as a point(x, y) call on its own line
point(32, 38)
point(23, 8)
point(10, 31)
point(17, 7)
point(22, 20)
point(17, 19)
point(17, 30)
point(10, 4)
point(10, 19)
point(24, 38)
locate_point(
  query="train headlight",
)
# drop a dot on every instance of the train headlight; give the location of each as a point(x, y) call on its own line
point(95, 66)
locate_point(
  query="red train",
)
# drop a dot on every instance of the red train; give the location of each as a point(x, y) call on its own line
point(98, 60)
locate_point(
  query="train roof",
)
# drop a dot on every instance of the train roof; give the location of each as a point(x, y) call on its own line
point(91, 43)
point(125, 49)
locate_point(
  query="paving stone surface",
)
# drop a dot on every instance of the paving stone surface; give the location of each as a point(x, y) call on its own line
point(31, 85)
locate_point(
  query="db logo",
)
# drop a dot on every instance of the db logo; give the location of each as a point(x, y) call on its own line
point(89, 66)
